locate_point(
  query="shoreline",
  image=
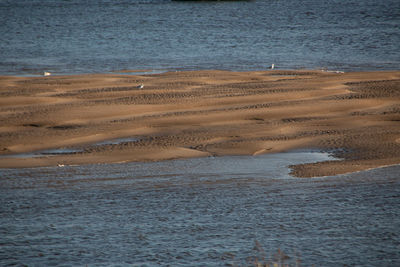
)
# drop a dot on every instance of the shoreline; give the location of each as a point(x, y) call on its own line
point(203, 113)
point(155, 71)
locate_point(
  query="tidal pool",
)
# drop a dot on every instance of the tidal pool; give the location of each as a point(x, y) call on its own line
point(69, 150)
point(198, 212)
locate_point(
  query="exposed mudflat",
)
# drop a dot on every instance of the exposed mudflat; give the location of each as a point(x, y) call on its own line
point(354, 115)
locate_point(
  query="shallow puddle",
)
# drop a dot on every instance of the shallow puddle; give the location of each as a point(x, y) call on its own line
point(117, 141)
point(44, 153)
point(69, 150)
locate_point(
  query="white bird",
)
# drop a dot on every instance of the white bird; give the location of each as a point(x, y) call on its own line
point(60, 165)
point(272, 66)
point(140, 86)
point(46, 73)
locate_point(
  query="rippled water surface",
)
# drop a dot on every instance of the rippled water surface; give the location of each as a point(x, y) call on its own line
point(76, 36)
point(198, 212)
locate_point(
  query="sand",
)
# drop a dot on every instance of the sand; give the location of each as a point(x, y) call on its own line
point(355, 116)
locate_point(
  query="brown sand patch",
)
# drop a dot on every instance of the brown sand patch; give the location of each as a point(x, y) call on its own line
point(202, 113)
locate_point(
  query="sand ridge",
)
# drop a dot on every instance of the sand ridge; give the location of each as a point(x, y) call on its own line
point(354, 115)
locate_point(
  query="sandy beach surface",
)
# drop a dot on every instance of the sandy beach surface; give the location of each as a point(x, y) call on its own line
point(104, 118)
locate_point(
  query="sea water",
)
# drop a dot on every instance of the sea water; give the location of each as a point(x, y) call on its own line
point(215, 211)
point(197, 212)
point(76, 36)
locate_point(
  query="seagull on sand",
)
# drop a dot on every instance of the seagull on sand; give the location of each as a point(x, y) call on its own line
point(46, 73)
point(140, 86)
point(272, 66)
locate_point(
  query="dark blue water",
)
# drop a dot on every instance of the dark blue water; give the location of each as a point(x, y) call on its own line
point(74, 36)
point(198, 212)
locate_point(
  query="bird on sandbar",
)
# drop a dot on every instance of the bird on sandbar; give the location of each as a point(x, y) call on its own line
point(46, 73)
point(140, 86)
point(272, 66)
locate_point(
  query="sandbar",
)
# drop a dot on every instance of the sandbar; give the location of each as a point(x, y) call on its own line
point(355, 116)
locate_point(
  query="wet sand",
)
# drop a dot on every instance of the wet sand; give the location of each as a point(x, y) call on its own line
point(354, 115)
